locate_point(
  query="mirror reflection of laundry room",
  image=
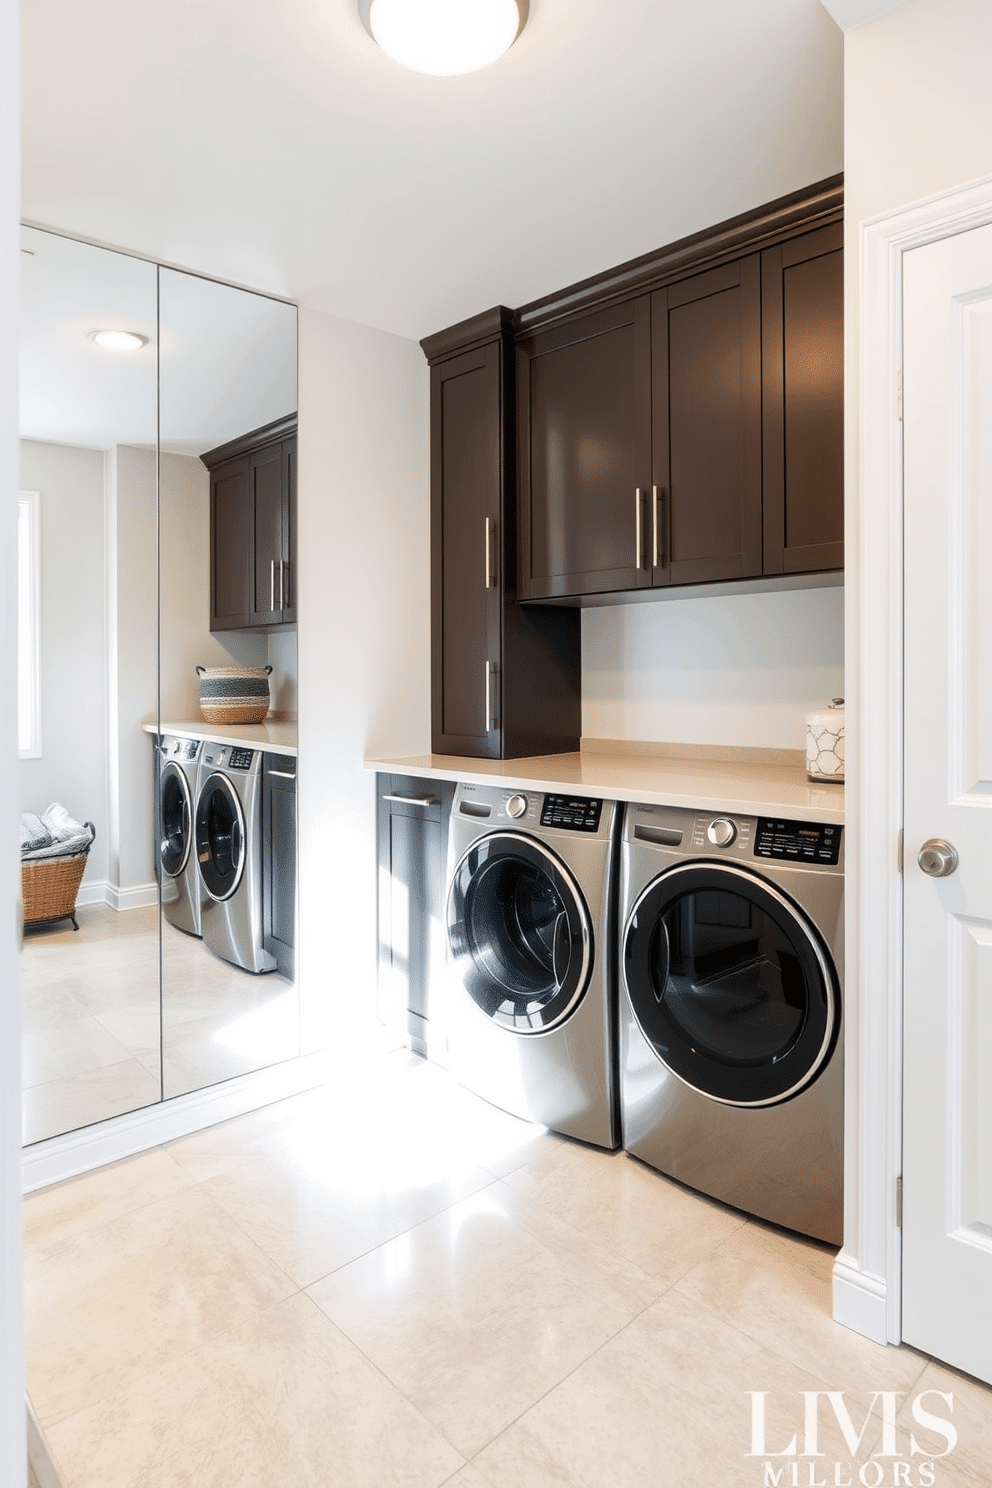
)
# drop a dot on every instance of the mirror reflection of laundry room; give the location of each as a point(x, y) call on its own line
point(133, 463)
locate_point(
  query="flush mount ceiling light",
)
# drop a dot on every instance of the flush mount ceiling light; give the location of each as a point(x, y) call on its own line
point(118, 340)
point(444, 37)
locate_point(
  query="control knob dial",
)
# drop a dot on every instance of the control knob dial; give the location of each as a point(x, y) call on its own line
point(721, 832)
point(516, 806)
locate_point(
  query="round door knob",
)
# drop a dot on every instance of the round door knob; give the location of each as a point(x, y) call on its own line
point(937, 858)
point(721, 832)
point(516, 806)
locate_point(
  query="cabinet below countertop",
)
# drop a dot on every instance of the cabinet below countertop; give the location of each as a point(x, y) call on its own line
point(750, 785)
point(276, 736)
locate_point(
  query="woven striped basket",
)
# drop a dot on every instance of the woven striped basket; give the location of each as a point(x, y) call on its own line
point(234, 694)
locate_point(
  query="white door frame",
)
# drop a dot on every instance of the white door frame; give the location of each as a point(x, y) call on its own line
point(868, 1271)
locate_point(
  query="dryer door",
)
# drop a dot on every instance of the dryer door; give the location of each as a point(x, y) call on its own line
point(519, 932)
point(175, 819)
point(730, 985)
point(220, 837)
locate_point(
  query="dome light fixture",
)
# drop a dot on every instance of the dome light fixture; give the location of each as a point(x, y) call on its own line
point(118, 340)
point(444, 37)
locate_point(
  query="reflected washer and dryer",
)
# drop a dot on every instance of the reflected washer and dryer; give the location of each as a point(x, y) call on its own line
point(730, 1010)
point(228, 837)
point(178, 765)
point(528, 1005)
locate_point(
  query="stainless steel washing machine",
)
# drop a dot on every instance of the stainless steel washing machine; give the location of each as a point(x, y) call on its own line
point(228, 836)
point(178, 763)
point(731, 1009)
point(528, 997)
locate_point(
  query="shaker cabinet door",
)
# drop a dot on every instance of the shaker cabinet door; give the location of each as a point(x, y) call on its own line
point(803, 391)
point(266, 517)
point(230, 546)
point(706, 426)
point(583, 404)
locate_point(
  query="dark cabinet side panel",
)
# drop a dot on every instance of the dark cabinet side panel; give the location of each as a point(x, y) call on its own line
point(465, 487)
point(583, 413)
point(803, 296)
point(230, 546)
point(706, 344)
point(279, 862)
point(289, 531)
point(266, 509)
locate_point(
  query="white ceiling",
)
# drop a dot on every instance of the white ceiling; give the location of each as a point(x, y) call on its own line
point(274, 145)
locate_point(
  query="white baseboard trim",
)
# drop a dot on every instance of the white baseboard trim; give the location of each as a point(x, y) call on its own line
point(77, 1152)
point(102, 891)
point(39, 1453)
point(860, 1299)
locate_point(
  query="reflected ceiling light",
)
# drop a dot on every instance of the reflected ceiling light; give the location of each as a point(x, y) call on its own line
point(444, 37)
point(118, 340)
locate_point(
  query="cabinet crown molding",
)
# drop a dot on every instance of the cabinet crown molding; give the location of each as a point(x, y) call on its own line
point(478, 330)
point(280, 428)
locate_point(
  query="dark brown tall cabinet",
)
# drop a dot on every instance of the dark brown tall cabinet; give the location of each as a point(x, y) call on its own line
point(253, 529)
point(504, 680)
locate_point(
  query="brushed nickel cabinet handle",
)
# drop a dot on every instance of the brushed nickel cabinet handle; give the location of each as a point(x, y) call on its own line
point(413, 800)
point(272, 585)
point(289, 775)
point(659, 546)
point(638, 521)
point(492, 722)
point(488, 559)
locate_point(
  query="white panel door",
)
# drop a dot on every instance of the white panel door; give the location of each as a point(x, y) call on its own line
point(947, 1118)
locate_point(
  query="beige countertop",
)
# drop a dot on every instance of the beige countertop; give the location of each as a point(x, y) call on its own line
point(274, 736)
point(751, 782)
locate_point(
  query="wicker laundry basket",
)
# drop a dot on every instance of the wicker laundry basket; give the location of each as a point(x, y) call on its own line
point(49, 886)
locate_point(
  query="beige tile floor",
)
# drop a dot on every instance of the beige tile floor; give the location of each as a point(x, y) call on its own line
point(96, 1041)
point(387, 1282)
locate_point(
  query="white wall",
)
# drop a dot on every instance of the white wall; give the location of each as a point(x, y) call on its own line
point(13, 1446)
point(917, 122)
point(364, 642)
point(721, 669)
point(73, 765)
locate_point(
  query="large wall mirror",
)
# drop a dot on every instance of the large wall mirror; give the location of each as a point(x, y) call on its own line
point(143, 1002)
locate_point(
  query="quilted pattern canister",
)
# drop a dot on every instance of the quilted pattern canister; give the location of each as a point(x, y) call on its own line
point(234, 694)
point(825, 743)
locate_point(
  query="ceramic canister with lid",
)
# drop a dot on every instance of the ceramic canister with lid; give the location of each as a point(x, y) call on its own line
point(825, 742)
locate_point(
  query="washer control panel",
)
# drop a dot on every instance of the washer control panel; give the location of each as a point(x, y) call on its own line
point(795, 841)
point(723, 832)
point(516, 806)
point(239, 759)
point(574, 813)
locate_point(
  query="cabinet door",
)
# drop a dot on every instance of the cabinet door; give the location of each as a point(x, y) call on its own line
point(266, 484)
point(279, 865)
point(230, 545)
point(466, 538)
point(583, 405)
point(706, 426)
point(803, 377)
point(287, 591)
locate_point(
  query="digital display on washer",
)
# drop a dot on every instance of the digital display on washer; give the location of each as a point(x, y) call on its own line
point(800, 842)
point(239, 759)
point(576, 813)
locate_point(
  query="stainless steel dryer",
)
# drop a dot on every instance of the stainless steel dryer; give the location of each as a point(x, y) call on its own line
point(528, 987)
point(731, 1014)
point(178, 763)
point(228, 835)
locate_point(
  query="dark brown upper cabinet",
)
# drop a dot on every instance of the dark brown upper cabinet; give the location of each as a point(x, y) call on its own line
point(584, 423)
point(504, 680)
point(704, 519)
point(253, 529)
point(802, 316)
point(680, 418)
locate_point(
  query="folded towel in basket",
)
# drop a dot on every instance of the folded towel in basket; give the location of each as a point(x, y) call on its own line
point(34, 833)
point(61, 835)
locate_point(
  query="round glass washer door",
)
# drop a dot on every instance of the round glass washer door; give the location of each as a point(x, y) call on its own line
point(175, 820)
point(730, 985)
point(519, 933)
point(220, 837)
